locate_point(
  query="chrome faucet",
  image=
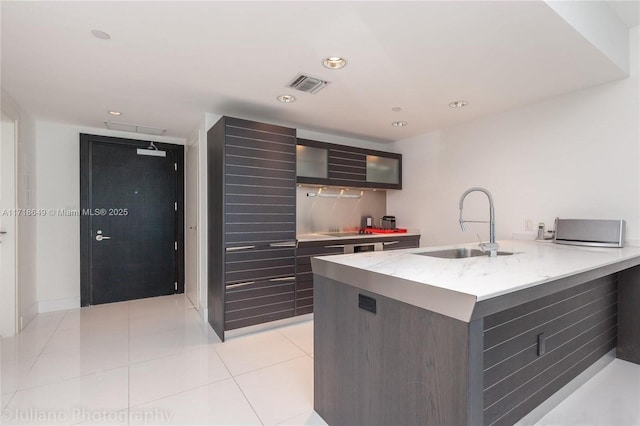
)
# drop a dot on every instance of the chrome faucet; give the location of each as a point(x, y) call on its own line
point(491, 246)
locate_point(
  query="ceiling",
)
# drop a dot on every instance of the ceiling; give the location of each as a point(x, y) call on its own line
point(167, 63)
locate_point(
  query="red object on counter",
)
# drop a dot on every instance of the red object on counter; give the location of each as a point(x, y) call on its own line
point(387, 231)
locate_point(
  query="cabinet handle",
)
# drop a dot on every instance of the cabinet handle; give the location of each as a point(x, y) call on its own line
point(335, 246)
point(285, 244)
point(239, 248)
point(282, 279)
point(241, 284)
point(388, 243)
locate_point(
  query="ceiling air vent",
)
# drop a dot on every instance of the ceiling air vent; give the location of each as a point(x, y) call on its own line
point(134, 128)
point(308, 84)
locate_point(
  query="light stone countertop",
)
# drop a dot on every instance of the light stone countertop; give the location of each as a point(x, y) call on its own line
point(453, 286)
point(318, 236)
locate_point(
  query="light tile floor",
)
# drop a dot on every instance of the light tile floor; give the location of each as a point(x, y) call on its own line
point(153, 361)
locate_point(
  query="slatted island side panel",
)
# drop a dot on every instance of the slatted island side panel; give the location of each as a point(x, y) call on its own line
point(532, 350)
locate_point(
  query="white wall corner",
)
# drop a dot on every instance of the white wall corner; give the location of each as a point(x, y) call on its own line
point(598, 24)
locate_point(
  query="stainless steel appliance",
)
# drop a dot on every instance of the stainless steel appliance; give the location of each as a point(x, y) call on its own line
point(590, 232)
point(359, 248)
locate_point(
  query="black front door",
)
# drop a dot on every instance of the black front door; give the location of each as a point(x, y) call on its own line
point(131, 219)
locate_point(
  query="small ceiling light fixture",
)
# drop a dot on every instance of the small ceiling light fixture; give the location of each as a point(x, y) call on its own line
point(100, 34)
point(115, 113)
point(399, 123)
point(396, 109)
point(459, 104)
point(287, 99)
point(334, 62)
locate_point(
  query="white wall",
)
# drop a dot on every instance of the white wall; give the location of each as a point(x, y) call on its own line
point(573, 156)
point(26, 171)
point(58, 187)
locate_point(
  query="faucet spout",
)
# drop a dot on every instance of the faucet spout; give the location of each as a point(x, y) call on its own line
point(492, 246)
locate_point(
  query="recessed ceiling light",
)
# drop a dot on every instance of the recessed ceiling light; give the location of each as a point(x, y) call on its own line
point(396, 109)
point(115, 113)
point(459, 104)
point(399, 123)
point(334, 62)
point(287, 99)
point(100, 34)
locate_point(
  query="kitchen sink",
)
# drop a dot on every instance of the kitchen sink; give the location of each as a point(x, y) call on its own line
point(460, 253)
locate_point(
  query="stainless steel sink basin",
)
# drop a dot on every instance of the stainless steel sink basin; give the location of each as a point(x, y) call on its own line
point(459, 253)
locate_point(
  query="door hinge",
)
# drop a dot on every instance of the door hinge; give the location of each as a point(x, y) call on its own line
point(175, 166)
point(175, 245)
point(175, 206)
point(175, 286)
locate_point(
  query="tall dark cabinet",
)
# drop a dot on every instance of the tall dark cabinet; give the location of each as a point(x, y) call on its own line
point(252, 223)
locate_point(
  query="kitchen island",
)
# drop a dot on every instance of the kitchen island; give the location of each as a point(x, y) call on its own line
point(404, 338)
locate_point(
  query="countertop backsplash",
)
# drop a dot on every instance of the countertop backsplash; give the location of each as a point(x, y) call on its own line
point(328, 214)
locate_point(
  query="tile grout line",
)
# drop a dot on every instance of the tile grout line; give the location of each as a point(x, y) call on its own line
point(238, 385)
point(289, 339)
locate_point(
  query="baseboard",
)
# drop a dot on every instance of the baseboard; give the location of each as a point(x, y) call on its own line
point(28, 315)
point(58, 304)
point(267, 326)
point(541, 410)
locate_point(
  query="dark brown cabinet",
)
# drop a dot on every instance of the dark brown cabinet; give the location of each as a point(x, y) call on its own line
point(309, 249)
point(325, 163)
point(252, 223)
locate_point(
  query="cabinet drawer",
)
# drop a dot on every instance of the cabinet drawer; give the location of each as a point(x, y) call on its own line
point(254, 303)
point(259, 264)
point(401, 243)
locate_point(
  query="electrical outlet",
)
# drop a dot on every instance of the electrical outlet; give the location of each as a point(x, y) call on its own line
point(528, 224)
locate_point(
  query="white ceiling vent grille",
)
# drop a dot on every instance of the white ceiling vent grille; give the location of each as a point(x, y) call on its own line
point(134, 128)
point(308, 84)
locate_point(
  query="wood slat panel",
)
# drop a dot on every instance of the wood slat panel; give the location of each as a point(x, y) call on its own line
point(517, 344)
point(259, 151)
point(259, 289)
point(277, 144)
point(537, 364)
point(303, 310)
point(257, 302)
point(288, 305)
point(554, 308)
point(546, 382)
point(260, 200)
point(286, 312)
point(517, 311)
point(263, 163)
point(278, 191)
point(235, 126)
point(241, 209)
point(261, 172)
point(575, 324)
point(505, 366)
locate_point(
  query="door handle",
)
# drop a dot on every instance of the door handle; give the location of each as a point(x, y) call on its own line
point(102, 237)
point(3, 232)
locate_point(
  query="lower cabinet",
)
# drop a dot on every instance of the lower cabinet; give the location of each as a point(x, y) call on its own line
point(304, 275)
point(259, 284)
point(309, 249)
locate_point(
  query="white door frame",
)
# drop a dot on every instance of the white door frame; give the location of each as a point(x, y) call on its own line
point(8, 282)
point(192, 232)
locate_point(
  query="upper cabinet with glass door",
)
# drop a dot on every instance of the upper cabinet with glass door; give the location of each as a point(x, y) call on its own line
point(322, 163)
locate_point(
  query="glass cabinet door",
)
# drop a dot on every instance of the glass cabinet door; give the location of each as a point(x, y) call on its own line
point(312, 162)
point(383, 169)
